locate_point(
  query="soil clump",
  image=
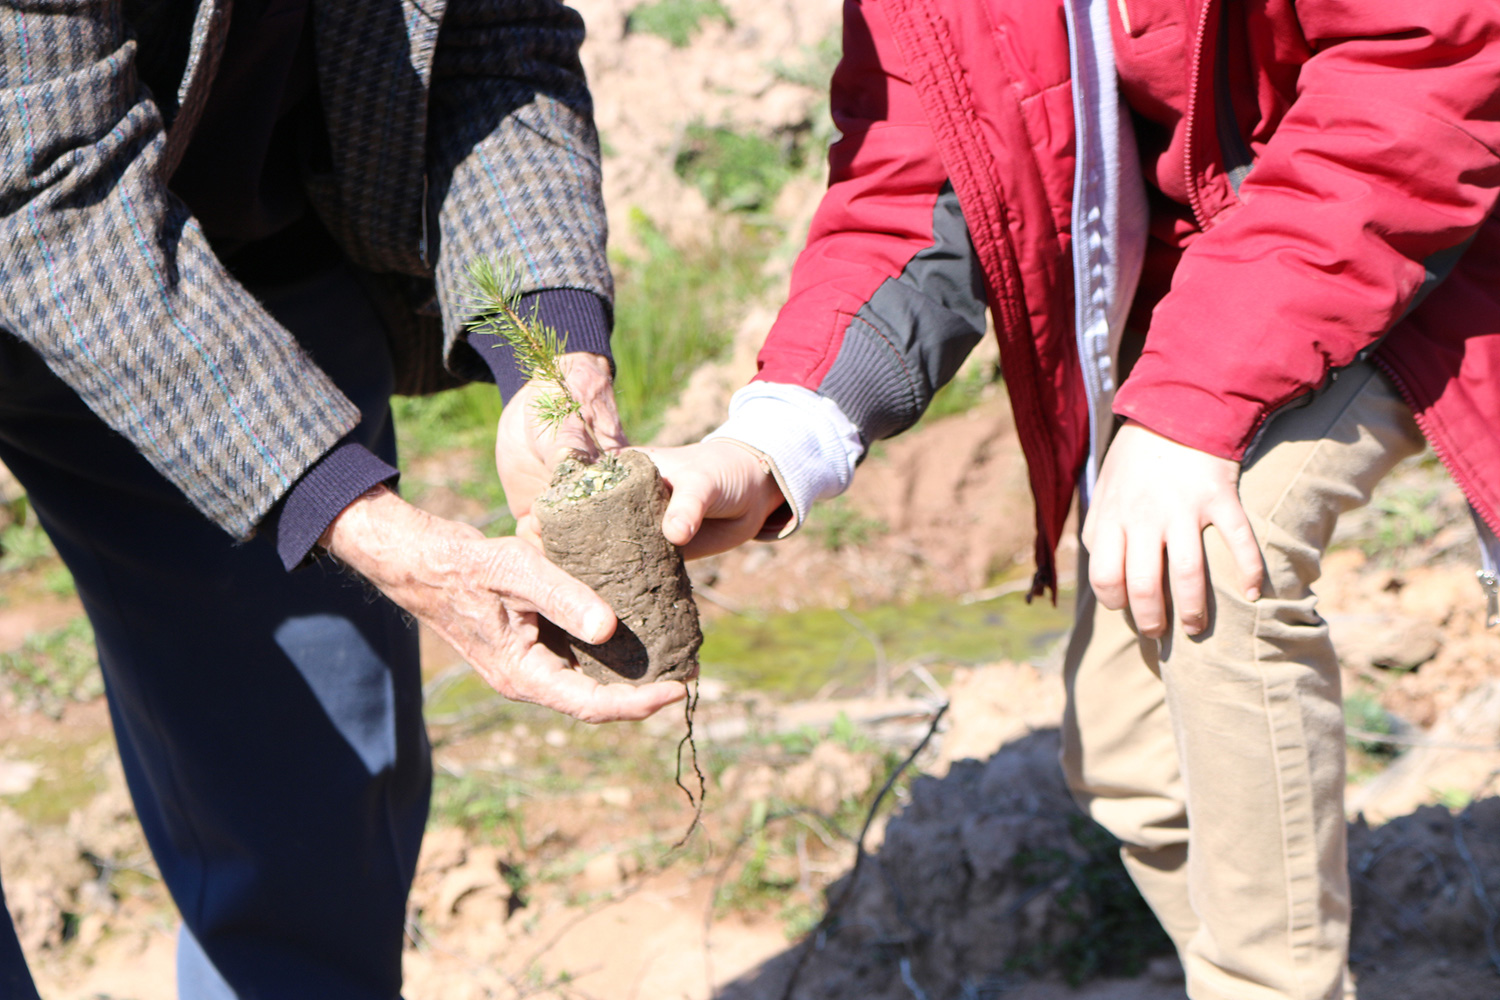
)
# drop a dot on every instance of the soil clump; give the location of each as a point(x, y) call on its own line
point(602, 523)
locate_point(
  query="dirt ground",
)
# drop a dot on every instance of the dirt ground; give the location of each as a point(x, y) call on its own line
point(550, 870)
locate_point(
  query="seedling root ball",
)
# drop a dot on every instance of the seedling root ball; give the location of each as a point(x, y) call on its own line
point(602, 523)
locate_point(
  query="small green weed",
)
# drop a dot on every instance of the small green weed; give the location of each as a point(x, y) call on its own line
point(485, 806)
point(1402, 520)
point(1363, 711)
point(838, 525)
point(813, 65)
point(24, 544)
point(59, 582)
point(1116, 933)
point(737, 172)
point(675, 20)
point(459, 418)
point(850, 736)
point(54, 668)
point(798, 919)
point(757, 886)
point(972, 385)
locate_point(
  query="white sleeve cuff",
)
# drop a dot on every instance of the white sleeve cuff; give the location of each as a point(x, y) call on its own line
point(811, 445)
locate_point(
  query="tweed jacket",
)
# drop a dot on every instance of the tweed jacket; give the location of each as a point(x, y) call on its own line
point(456, 127)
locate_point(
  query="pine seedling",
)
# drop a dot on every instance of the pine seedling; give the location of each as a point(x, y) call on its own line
point(494, 296)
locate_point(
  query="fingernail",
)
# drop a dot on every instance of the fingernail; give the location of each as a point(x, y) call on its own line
point(1252, 595)
point(596, 625)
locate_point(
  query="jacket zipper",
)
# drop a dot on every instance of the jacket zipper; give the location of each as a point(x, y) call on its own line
point(1195, 197)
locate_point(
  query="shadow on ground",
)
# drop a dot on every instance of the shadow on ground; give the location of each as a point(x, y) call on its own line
point(991, 879)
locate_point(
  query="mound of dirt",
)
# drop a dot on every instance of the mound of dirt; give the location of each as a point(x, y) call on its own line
point(1426, 887)
point(992, 873)
point(986, 872)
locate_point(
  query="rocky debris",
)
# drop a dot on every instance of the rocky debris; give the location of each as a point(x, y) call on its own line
point(60, 880)
point(457, 880)
point(1368, 642)
point(821, 781)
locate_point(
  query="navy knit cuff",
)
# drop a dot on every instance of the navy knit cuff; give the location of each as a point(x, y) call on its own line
point(341, 477)
point(582, 316)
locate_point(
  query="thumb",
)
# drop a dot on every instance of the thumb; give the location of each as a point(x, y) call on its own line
point(521, 571)
point(685, 513)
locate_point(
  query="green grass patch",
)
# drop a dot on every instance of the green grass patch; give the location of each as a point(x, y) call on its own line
point(458, 418)
point(24, 545)
point(1402, 520)
point(738, 171)
point(797, 654)
point(1363, 711)
point(70, 778)
point(54, 668)
point(839, 525)
point(675, 20)
point(973, 384)
point(674, 310)
point(489, 806)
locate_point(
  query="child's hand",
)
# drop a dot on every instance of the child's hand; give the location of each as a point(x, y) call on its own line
point(722, 495)
point(1154, 496)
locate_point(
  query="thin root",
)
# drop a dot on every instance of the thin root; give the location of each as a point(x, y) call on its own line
point(689, 709)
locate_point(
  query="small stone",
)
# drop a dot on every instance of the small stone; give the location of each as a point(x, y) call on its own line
point(555, 738)
point(603, 872)
point(17, 776)
point(617, 795)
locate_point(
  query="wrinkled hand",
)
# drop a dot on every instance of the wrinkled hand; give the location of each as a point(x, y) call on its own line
point(721, 496)
point(527, 452)
point(483, 596)
point(1156, 495)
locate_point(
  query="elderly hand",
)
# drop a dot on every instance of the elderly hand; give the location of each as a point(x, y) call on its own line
point(526, 452)
point(486, 597)
point(721, 495)
point(1153, 496)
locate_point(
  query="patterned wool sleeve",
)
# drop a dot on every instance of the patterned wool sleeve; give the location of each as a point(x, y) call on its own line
point(110, 280)
point(514, 153)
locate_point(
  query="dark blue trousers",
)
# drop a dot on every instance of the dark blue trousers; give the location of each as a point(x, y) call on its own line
point(269, 723)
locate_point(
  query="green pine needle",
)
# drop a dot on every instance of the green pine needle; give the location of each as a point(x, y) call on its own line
point(494, 297)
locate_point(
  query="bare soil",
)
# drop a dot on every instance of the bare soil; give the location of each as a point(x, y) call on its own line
point(547, 871)
point(567, 888)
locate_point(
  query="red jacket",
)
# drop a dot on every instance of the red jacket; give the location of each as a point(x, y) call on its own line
point(1374, 130)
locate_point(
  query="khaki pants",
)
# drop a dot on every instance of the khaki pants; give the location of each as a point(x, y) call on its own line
point(1219, 759)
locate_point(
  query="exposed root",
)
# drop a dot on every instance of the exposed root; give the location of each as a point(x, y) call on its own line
point(689, 709)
